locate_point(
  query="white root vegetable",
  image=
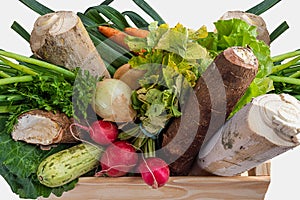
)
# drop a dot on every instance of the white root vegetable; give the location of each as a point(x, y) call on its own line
point(251, 19)
point(263, 129)
point(61, 38)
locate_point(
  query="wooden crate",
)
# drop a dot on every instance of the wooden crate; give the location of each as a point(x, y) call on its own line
point(250, 185)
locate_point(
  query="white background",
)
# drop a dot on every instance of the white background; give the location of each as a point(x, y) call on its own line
point(285, 175)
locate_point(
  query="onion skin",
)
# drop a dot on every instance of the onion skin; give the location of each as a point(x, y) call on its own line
point(112, 101)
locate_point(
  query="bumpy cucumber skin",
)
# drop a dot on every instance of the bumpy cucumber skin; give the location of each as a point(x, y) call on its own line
point(67, 165)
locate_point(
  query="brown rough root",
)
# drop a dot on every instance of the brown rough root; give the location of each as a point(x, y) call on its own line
point(61, 38)
point(44, 128)
point(216, 93)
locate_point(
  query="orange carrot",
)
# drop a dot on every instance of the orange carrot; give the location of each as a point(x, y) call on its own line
point(114, 34)
point(136, 32)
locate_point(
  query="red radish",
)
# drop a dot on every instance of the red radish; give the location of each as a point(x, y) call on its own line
point(155, 172)
point(103, 132)
point(118, 159)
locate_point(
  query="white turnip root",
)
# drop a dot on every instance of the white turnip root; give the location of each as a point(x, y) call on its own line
point(118, 159)
point(155, 172)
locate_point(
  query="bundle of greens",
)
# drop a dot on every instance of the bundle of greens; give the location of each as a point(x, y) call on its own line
point(285, 74)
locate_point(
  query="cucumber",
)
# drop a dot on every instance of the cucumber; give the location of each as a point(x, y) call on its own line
point(66, 165)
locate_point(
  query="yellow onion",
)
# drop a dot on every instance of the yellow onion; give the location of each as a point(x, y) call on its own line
point(112, 101)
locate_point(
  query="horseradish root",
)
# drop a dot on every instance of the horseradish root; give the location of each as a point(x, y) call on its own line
point(61, 38)
point(266, 127)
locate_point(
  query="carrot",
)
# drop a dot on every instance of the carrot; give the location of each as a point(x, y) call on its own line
point(119, 37)
point(114, 34)
point(136, 32)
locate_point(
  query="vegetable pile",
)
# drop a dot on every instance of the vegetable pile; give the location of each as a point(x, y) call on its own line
point(113, 124)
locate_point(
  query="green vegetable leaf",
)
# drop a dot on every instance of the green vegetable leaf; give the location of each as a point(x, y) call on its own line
point(177, 40)
point(195, 51)
point(135, 43)
point(50, 93)
point(82, 94)
point(156, 32)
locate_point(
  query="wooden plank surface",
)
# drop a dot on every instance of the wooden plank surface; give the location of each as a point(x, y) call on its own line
point(188, 187)
point(261, 170)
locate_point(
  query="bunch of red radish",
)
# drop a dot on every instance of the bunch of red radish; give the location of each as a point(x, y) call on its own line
point(120, 157)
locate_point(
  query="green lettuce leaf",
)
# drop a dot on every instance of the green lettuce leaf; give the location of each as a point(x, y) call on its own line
point(173, 61)
point(178, 41)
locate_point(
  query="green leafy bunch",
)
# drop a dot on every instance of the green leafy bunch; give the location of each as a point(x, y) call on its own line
point(172, 61)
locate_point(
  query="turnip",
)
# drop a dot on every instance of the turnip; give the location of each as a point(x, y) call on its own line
point(155, 172)
point(118, 159)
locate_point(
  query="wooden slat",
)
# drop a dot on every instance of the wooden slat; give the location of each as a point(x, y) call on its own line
point(261, 170)
point(188, 187)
